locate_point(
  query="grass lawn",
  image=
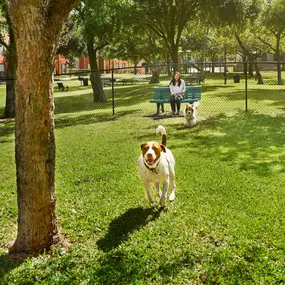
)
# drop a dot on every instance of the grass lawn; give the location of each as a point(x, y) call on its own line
point(226, 225)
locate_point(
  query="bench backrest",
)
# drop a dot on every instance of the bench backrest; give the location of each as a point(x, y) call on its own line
point(191, 92)
point(195, 77)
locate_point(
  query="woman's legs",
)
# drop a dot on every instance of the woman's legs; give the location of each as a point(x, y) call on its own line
point(178, 106)
point(172, 103)
point(178, 103)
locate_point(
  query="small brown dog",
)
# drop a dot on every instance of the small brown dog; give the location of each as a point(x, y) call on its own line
point(190, 114)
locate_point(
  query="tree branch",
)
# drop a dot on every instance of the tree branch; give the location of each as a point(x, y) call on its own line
point(266, 43)
point(3, 43)
point(101, 46)
point(56, 6)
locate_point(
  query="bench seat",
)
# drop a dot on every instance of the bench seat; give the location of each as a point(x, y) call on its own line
point(107, 81)
point(125, 81)
point(61, 87)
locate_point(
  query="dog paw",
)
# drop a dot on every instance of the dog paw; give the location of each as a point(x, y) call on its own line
point(172, 197)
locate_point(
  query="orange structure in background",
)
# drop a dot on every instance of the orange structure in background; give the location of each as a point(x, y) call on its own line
point(3, 62)
point(104, 64)
point(61, 64)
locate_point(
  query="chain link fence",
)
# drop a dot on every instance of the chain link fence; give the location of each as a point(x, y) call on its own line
point(227, 88)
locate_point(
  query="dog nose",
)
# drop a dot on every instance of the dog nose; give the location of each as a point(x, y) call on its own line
point(149, 156)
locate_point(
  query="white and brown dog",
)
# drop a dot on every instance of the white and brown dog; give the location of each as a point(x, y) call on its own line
point(190, 114)
point(156, 164)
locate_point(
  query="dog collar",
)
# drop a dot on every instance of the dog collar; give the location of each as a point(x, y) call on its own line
point(151, 169)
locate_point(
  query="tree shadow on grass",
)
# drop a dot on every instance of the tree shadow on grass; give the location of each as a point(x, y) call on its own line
point(202, 262)
point(121, 227)
point(86, 119)
point(7, 127)
point(73, 102)
point(8, 262)
point(131, 268)
point(2, 112)
point(213, 88)
point(266, 96)
point(251, 141)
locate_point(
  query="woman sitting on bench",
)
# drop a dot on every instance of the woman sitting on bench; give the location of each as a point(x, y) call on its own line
point(177, 89)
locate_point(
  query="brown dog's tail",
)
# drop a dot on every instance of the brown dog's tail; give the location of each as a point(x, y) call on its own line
point(161, 129)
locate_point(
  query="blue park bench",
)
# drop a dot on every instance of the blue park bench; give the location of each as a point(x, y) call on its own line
point(162, 95)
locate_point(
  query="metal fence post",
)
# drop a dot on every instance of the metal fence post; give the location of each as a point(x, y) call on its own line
point(246, 83)
point(113, 93)
point(225, 68)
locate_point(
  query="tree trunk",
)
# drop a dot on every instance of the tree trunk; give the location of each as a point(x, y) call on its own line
point(167, 59)
point(246, 54)
point(174, 56)
point(155, 76)
point(95, 77)
point(37, 26)
point(258, 74)
point(278, 56)
point(250, 69)
point(135, 67)
point(203, 55)
point(11, 77)
point(213, 66)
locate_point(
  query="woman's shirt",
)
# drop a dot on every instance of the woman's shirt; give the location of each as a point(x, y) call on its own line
point(175, 89)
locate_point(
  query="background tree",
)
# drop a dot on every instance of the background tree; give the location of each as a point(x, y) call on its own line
point(37, 26)
point(251, 49)
point(132, 43)
point(136, 43)
point(168, 19)
point(71, 43)
point(239, 16)
point(195, 42)
point(8, 41)
point(272, 30)
point(99, 21)
point(221, 43)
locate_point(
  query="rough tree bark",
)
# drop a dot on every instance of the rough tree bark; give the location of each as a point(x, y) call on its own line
point(95, 77)
point(37, 25)
point(251, 58)
point(278, 56)
point(277, 50)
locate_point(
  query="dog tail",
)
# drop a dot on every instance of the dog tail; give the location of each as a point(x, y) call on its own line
point(196, 104)
point(161, 129)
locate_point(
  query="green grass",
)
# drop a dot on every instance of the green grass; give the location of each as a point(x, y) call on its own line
point(226, 225)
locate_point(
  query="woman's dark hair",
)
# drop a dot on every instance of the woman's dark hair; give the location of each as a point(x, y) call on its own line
point(173, 82)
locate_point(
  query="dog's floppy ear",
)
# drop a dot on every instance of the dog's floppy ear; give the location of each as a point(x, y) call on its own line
point(163, 147)
point(144, 145)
